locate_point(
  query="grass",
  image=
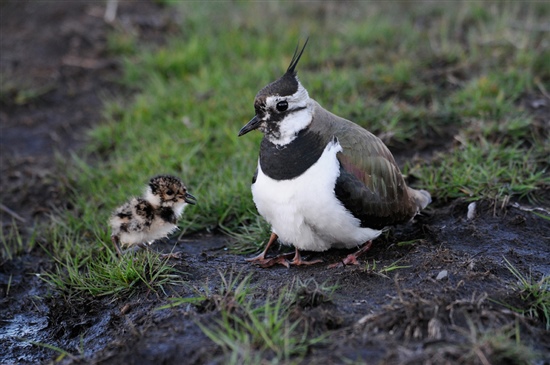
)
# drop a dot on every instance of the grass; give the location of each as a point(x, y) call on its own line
point(249, 329)
point(96, 271)
point(385, 270)
point(459, 78)
point(480, 169)
point(13, 243)
point(62, 353)
point(535, 295)
point(231, 294)
point(121, 278)
point(309, 293)
point(18, 91)
point(248, 332)
point(496, 346)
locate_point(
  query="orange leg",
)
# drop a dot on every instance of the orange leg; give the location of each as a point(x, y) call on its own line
point(263, 261)
point(281, 259)
point(261, 257)
point(351, 259)
point(116, 241)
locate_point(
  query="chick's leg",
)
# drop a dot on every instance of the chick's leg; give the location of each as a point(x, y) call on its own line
point(116, 242)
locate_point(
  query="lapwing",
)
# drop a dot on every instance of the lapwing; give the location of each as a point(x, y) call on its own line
point(322, 181)
point(142, 220)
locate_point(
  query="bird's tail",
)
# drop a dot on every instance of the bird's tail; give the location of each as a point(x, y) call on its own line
point(421, 197)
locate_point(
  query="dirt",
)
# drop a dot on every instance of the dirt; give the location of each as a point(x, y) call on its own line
point(56, 72)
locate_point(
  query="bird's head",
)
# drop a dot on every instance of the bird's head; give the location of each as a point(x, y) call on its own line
point(168, 191)
point(281, 107)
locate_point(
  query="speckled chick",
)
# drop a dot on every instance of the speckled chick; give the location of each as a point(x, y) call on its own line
point(141, 221)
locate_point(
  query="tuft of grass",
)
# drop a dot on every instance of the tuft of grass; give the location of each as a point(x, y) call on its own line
point(260, 332)
point(250, 237)
point(249, 331)
point(309, 293)
point(496, 346)
point(232, 292)
point(535, 295)
point(384, 271)
point(13, 243)
point(18, 91)
point(80, 271)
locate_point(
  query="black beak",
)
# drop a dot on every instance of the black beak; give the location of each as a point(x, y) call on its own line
point(190, 199)
point(250, 126)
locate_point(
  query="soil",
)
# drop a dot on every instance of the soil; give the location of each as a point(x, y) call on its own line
point(56, 72)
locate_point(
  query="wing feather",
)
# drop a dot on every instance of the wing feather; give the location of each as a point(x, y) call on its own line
point(370, 184)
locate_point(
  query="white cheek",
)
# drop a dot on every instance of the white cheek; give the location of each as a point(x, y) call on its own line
point(178, 208)
point(295, 121)
point(291, 125)
point(152, 198)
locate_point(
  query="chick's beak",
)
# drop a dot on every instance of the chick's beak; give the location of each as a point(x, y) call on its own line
point(250, 126)
point(190, 199)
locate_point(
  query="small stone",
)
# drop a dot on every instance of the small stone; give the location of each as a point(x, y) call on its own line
point(471, 211)
point(442, 275)
point(539, 103)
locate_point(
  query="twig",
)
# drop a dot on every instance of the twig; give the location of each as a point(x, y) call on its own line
point(526, 209)
point(12, 213)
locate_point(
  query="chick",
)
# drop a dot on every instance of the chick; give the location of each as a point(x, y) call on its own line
point(141, 221)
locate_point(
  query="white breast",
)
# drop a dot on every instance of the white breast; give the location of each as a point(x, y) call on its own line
point(305, 212)
point(160, 229)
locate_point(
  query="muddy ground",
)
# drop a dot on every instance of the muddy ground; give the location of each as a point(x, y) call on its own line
point(55, 72)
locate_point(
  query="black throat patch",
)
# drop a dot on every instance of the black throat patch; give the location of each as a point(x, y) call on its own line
point(292, 160)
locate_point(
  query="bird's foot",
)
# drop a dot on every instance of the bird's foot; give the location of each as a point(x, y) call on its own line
point(297, 260)
point(351, 259)
point(132, 250)
point(262, 261)
point(283, 260)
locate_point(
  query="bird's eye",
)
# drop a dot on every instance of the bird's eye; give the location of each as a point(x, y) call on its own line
point(169, 192)
point(282, 105)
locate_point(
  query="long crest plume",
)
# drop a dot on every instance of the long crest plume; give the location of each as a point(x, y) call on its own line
point(295, 58)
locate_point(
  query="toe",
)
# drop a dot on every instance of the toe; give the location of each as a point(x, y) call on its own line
point(279, 260)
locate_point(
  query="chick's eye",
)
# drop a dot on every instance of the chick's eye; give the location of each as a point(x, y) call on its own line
point(169, 192)
point(282, 106)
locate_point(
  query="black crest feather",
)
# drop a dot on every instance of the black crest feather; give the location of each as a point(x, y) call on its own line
point(292, 67)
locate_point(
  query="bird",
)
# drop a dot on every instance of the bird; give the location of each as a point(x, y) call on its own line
point(322, 181)
point(142, 220)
